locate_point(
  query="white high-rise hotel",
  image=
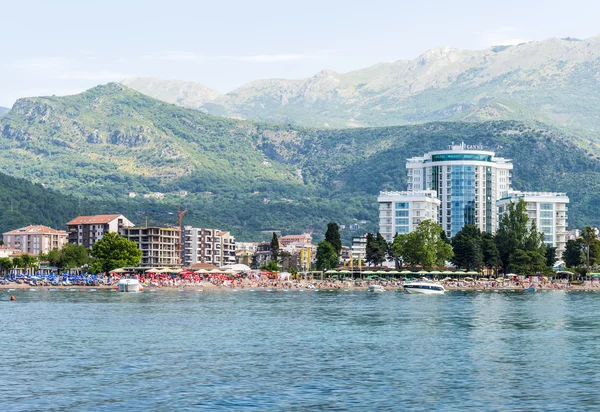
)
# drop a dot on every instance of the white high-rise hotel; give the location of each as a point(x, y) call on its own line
point(467, 185)
point(467, 179)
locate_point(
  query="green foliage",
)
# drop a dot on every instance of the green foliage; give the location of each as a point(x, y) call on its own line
point(550, 256)
point(527, 262)
point(327, 258)
point(491, 256)
point(467, 248)
point(333, 237)
point(5, 265)
point(271, 266)
point(375, 249)
point(70, 256)
point(588, 235)
point(514, 233)
point(398, 249)
point(112, 252)
point(425, 246)
point(274, 247)
point(573, 254)
point(110, 140)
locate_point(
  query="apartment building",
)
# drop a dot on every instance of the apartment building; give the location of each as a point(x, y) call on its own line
point(87, 230)
point(401, 212)
point(205, 245)
point(467, 180)
point(549, 212)
point(35, 239)
point(159, 245)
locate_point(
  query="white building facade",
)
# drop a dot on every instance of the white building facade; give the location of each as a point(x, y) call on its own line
point(467, 180)
point(401, 212)
point(547, 209)
point(214, 246)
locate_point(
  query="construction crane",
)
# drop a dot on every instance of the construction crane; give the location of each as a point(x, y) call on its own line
point(180, 213)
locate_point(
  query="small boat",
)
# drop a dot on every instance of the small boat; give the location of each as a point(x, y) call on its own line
point(424, 288)
point(129, 285)
point(376, 288)
point(530, 289)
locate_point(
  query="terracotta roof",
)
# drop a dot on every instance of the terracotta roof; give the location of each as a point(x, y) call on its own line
point(93, 220)
point(36, 230)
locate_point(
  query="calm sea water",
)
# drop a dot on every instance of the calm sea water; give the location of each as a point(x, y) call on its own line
point(299, 351)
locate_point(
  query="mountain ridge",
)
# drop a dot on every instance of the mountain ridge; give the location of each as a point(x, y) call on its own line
point(554, 81)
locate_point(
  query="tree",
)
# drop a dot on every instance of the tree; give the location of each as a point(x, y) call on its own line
point(5, 265)
point(527, 262)
point(68, 257)
point(467, 249)
point(271, 266)
point(74, 256)
point(375, 249)
point(491, 257)
point(113, 251)
point(425, 246)
point(550, 256)
point(254, 264)
point(274, 247)
point(573, 255)
point(327, 258)
point(514, 233)
point(397, 249)
point(28, 261)
point(444, 237)
point(333, 237)
point(588, 235)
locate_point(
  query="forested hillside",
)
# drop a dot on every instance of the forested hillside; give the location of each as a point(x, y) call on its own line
point(247, 177)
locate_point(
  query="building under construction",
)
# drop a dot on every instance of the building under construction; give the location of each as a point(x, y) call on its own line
point(160, 246)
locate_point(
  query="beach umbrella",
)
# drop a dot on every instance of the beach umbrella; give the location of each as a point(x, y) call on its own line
point(485, 279)
point(119, 270)
point(345, 272)
point(435, 272)
point(331, 272)
point(423, 272)
point(368, 272)
point(448, 272)
point(472, 272)
point(152, 270)
point(201, 271)
point(469, 279)
point(446, 278)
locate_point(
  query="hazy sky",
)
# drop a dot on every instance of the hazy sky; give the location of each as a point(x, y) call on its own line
point(64, 47)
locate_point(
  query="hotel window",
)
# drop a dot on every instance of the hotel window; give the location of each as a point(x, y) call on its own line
point(546, 222)
point(546, 214)
point(548, 238)
point(401, 229)
point(546, 206)
point(401, 205)
point(402, 221)
point(401, 213)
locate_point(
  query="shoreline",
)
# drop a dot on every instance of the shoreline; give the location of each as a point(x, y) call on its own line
point(300, 287)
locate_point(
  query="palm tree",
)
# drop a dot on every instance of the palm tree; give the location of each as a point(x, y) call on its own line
point(588, 235)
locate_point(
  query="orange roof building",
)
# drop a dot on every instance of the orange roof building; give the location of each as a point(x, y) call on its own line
point(35, 239)
point(87, 230)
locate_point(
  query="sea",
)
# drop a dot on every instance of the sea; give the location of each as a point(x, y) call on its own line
point(265, 350)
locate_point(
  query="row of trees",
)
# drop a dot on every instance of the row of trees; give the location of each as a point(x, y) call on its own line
point(517, 246)
point(584, 252)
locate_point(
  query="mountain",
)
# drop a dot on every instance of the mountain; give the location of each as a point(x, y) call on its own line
point(3, 111)
point(555, 81)
point(248, 177)
point(186, 94)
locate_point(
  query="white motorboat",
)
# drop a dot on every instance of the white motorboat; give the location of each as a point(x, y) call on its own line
point(129, 285)
point(376, 288)
point(424, 288)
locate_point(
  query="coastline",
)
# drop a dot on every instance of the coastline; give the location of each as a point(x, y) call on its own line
point(299, 286)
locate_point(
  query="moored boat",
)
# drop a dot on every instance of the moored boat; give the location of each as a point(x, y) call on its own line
point(129, 285)
point(424, 288)
point(376, 288)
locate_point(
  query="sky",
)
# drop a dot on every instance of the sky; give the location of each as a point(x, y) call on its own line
point(64, 47)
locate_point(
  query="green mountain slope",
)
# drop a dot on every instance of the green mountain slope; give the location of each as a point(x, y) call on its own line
point(185, 94)
point(555, 81)
point(247, 177)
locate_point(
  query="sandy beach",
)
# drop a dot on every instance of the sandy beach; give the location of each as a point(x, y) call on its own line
point(307, 285)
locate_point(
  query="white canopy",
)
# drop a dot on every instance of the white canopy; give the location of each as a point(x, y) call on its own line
point(237, 268)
